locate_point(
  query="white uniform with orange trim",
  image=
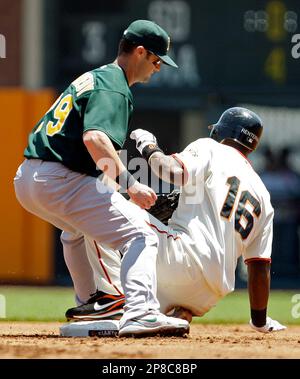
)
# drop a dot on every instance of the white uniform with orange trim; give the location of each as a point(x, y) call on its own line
point(224, 212)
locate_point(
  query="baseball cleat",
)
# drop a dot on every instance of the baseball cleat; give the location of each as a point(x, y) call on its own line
point(154, 325)
point(100, 306)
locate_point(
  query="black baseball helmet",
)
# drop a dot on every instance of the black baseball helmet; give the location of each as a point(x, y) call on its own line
point(240, 125)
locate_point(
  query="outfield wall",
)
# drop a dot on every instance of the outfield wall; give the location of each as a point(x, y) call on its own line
point(26, 241)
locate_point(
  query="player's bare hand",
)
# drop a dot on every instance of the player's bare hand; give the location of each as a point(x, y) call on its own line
point(271, 326)
point(142, 195)
point(183, 313)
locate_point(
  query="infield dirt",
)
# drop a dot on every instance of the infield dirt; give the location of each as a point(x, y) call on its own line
point(42, 340)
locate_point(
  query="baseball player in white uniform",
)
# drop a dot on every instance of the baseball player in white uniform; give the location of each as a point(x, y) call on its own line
point(224, 212)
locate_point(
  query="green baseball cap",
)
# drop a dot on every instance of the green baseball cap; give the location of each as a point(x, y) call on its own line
point(152, 37)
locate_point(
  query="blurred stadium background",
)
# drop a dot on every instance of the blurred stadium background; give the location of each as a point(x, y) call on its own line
point(229, 53)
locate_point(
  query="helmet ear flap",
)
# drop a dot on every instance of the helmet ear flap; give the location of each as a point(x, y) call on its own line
point(214, 132)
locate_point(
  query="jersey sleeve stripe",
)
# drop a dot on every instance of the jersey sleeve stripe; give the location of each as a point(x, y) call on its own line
point(185, 171)
point(257, 259)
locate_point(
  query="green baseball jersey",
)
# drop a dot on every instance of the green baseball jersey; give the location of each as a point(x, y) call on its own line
point(98, 100)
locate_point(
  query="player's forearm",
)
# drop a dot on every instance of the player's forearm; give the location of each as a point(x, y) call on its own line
point(167, 168)
point(103, 153)
point(258, 289)
point(164, 166)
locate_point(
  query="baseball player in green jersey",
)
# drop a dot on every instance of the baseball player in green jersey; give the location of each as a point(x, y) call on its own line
point(71, 145)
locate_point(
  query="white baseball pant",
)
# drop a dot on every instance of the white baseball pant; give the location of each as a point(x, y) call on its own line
point(180, 280)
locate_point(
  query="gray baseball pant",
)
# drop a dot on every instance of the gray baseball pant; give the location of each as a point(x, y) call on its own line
point(82, 205)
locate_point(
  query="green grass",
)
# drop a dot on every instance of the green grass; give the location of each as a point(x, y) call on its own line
point(234, 308)
point(50, 303)
point(37, 303)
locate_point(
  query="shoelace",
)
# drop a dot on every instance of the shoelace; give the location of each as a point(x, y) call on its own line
point(98, 294)
point(94, 296)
